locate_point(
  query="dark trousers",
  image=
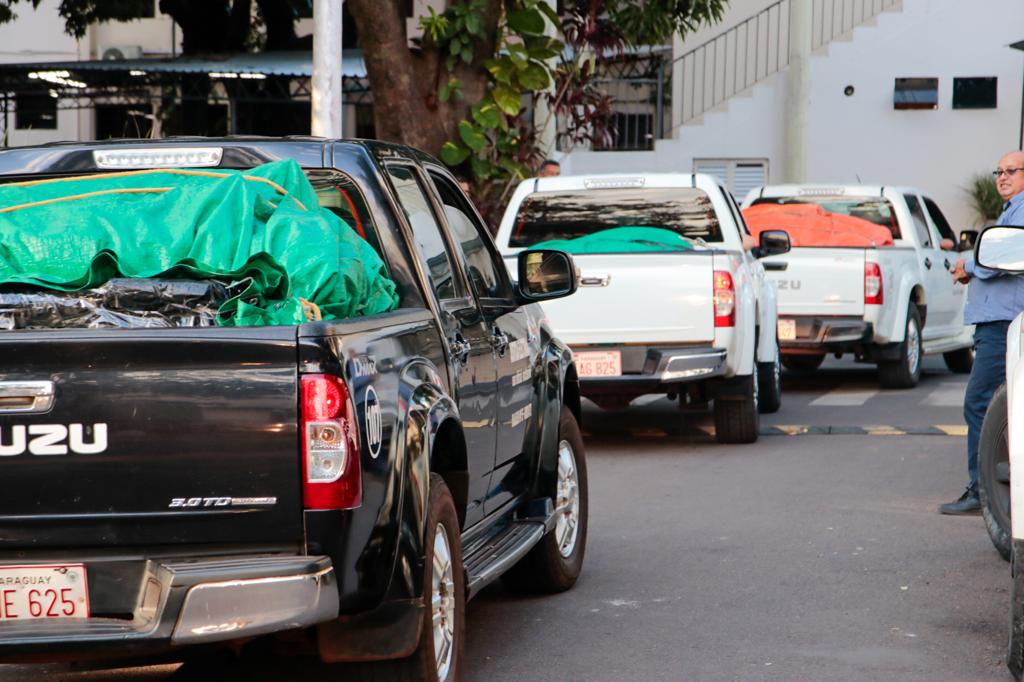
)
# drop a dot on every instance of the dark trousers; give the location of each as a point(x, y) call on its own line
point(988, 373)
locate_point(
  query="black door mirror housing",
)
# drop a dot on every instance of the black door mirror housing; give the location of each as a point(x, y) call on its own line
point(546, 274)
point(773, 243)
point(968, 238)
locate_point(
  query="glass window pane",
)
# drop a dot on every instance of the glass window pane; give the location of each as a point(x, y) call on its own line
point(482, 264)
point(426, 231)
point(975, 93)
point(920, 224)
point(941, 224)
point(566, 215)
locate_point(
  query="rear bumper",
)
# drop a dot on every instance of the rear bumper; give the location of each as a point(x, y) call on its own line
point(826, 333)
point(650, 370)
point(186, 602)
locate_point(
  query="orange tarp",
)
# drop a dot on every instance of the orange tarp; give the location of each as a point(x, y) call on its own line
point(811, 225)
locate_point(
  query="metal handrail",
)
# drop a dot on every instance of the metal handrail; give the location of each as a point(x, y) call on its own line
point(746, 54)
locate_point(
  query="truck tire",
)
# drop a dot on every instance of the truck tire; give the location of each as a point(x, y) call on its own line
point(959, 361)
point(736, 419)
point(905, 372)
point(555, 563)
point(444, 593)
point(1015, 646)
point(993, 492)
point(802, 363)
point(769, 378)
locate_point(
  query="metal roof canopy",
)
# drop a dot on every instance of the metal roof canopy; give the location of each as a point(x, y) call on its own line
point(248, 77)
point(295, 64)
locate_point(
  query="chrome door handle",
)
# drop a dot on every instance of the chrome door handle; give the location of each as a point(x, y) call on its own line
point(26, 396)
point(595, 280)
point(499, 340)
point(460, 349)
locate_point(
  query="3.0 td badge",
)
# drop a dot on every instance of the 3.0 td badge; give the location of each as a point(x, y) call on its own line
point(53, 439)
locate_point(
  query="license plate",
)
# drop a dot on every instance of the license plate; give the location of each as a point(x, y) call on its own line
point(787, 330)
point(43, 591)
point(599, 363)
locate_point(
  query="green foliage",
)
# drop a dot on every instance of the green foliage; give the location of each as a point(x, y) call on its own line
point(984, 198)
point(540, 56)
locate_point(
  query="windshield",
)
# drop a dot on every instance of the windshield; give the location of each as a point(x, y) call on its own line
point(545, 216)
point(876, 210)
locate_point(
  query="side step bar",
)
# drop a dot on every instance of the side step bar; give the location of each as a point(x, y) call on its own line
point(486, 559)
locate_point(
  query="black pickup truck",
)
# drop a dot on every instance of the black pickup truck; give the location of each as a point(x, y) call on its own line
point(349, 482)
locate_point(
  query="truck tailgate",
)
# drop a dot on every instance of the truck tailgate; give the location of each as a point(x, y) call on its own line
point(819, 281)
point(638, 298)
point(154, 436)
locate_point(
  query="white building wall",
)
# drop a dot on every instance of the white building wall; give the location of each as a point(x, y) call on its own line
point(862, 135)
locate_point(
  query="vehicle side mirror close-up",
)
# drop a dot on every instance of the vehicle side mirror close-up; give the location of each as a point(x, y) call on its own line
point(1001, 247)
point(773, 243)
point(967, 240)
point(545, 274)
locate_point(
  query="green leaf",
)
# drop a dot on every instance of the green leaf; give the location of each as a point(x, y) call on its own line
point(473, 138)
point(467, 54)
point(526, 21)
point(482, 168)
point(487, 115)
point(550, 13)
point(508, 99)
point(452, 154)
point(534, 77)
point(475, 24)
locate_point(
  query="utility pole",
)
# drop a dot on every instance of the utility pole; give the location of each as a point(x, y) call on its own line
point(798, 90)
point(327, 99)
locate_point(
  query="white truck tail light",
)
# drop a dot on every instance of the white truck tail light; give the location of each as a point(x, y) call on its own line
point(332, 476)
point(873, 293)
point(725, 300)
point(158, 157)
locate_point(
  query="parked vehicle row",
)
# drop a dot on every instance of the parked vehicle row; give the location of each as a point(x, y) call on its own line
point(711, 321)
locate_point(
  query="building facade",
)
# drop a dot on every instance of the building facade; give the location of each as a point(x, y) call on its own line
point(911, 92)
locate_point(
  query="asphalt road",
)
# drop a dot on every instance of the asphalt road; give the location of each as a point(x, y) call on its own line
point(803, 557)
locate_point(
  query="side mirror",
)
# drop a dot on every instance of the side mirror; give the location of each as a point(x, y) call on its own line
point(773, 243)
point(968, 238)
point(1001, 247)
point(545, 274)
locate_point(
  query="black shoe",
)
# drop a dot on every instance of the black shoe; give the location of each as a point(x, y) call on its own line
point(967, 504)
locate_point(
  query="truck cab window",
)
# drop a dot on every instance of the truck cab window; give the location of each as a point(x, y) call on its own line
point(920, 224)
point(939, 220)
point(482, 266)
point(339, 194)
point(426, 232)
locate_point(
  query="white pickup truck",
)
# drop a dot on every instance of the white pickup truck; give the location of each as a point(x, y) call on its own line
point(697, 324)
point(887, 304)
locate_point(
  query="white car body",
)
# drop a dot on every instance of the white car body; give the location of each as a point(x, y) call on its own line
point(821, 290)
point(648, 302)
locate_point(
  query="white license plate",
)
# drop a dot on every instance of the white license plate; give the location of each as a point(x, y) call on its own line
point(787, 330)
point(599, 363)
point(43, 591)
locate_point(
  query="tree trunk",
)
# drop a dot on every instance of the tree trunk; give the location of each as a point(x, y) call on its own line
point(405, 82)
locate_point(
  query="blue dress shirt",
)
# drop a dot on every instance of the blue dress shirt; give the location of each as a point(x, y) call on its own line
point(995, 296)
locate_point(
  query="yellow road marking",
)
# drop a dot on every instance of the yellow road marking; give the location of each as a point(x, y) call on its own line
point(953, 429)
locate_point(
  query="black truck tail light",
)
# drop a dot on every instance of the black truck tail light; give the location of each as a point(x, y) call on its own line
point(332, 477)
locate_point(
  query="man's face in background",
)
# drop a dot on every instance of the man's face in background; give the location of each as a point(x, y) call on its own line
point(1011, 184)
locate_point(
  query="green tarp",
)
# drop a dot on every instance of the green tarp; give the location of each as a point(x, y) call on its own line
point(622, 240)
point(263, 228)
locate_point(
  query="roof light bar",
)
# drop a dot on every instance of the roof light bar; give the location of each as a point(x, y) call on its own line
point(821, 191)
point(609, 183)
point(158, 157)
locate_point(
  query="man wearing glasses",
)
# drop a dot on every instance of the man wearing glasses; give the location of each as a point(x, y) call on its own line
point(993, 300)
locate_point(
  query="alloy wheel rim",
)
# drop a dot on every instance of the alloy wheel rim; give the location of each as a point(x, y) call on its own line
point(913, 346)
point(442, 603)
point(567, 500)
point(777, 372)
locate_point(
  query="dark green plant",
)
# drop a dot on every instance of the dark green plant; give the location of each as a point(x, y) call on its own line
point(983, 198)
